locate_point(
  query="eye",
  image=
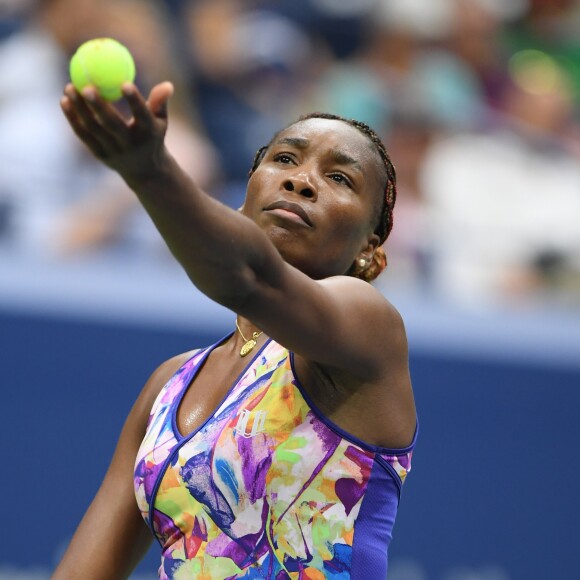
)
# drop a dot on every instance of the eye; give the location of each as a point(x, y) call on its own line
point(341, 178)
point(284, 158)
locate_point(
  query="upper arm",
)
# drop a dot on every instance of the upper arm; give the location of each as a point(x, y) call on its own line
point(112, 536)
point(339, 322)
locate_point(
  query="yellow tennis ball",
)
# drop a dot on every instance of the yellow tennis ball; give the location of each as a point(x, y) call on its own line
point(104, 63)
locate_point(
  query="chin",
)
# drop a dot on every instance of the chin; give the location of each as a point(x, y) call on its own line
point(297, 252)
point(285, 240)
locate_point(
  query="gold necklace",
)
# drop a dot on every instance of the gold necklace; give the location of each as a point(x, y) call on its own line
point(250, 343)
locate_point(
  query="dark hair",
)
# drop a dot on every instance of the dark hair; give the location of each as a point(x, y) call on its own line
point(385, 224)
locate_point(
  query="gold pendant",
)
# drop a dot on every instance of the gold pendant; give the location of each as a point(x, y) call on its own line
point(248, 347)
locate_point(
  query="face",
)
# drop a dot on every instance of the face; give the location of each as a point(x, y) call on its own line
point(316, 194)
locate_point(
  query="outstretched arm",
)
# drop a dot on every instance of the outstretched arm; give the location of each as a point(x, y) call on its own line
point(219, 248)
point(227, 256)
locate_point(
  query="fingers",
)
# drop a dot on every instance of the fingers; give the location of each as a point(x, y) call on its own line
point(95, 121)
point(159, 98)
point(107, 116)
point(121, 143)
point(146, 112)
point(141, 114)
point(70, 108)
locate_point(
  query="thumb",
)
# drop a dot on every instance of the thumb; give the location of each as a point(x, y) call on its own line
point(159, 98)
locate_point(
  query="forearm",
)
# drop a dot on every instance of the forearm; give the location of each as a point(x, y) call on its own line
point(112, 537)
point(101, 561)
point(222, 251)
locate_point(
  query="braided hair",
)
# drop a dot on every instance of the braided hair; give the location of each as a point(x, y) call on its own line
point(385, 222)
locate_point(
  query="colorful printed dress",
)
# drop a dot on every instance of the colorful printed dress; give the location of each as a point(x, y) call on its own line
point(267, 487)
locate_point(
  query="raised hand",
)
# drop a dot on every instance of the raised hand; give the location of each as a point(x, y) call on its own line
point(133, 147)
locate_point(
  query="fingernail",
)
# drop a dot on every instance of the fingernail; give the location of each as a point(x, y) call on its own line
point(127, 89)
point(89, 93)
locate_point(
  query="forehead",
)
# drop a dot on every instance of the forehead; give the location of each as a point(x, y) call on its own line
point(333, 136)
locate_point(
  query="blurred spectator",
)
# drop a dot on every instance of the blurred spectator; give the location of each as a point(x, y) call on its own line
point(12, 15)
point(408, 141)
point(53, 195)
point(109, 213)
point(476, 38)
point(477, 101)
point(342, 26)
point(504, 205)
point(550, 26)
point(440, 56)
point(42, 165)
point(248, 69)
point(404, 68)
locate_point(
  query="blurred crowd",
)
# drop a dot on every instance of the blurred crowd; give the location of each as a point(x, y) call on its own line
point(477, 102)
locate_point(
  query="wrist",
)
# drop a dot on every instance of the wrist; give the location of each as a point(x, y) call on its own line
point(161, 168)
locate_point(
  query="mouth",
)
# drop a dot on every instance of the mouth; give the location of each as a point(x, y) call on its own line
point(289, 210)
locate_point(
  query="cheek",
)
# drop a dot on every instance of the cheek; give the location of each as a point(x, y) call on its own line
point(253, 188)
point(261, 181)
point(349, 219)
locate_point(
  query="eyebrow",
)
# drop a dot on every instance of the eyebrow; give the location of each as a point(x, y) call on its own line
point(338, 156)
point(344, 159)
point(298, 142)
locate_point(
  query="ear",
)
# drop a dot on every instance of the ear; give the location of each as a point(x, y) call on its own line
point(365, 257)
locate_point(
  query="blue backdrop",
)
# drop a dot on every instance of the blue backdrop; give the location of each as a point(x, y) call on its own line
point(494, 487)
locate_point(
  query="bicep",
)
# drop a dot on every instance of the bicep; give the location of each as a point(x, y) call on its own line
point(339, 322)
point(112, 536)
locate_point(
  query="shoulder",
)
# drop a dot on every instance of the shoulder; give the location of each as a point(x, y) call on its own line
point(156, 382)
point(167, 369)
point(367, 303)
point(368, 391)
point(373, 323)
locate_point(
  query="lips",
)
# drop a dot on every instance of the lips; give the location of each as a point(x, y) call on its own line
point(292, 208)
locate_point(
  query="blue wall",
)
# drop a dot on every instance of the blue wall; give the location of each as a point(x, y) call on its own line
point(494, 481)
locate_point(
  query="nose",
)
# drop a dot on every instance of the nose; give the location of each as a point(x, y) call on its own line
point(301, 184)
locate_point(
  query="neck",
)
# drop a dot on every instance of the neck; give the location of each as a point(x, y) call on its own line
point(247, 336)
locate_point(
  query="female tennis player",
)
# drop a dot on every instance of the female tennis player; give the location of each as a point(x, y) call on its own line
point(279, 451)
